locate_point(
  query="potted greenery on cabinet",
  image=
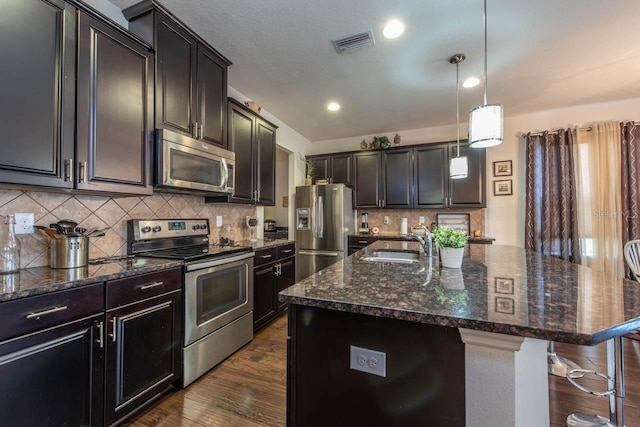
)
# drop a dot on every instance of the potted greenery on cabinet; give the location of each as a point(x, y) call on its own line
point(451, 244)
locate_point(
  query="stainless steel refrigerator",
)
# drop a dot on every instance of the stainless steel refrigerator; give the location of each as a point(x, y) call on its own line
point(324, 219)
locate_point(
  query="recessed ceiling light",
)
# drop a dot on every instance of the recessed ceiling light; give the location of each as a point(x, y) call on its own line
point(333, 106)
point(393, 29)
point(471, 82)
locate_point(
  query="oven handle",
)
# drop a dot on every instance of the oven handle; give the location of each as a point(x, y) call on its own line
point(219, 261)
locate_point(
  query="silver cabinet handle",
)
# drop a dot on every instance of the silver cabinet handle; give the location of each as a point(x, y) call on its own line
point(82, 171)
point(265, 256)
point(68, 170)
point(362, 241)
point(100, 339)
point(279, 269)
point(151, 285)
point(45, 312)
point(114, 330)
point(286, 251)
point(194, 130)
point(201, 131)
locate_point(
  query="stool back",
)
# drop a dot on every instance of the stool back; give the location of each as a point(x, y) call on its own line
point(632, 256)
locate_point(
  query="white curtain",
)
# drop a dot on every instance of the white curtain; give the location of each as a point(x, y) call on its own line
point(598, 179)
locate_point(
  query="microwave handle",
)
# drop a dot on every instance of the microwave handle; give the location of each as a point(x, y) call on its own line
point(225, 174)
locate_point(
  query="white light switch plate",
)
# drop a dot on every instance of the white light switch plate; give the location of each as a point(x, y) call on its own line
point(24, 223)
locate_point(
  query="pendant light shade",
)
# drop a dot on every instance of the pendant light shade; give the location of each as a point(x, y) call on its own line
point(458, 166)
point(485, 121)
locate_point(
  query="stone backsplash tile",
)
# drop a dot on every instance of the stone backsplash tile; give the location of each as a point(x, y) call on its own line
point(101, 212)
point(376, 218)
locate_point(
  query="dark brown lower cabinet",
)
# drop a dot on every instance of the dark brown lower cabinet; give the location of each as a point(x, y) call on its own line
point(142, 341)
point(276, 271)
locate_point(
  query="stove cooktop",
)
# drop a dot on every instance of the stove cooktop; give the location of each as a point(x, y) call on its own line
point(194, 253)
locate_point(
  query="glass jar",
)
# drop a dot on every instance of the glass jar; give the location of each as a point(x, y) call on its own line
point(9, 248)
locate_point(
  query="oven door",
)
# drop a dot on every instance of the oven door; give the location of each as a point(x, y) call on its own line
point(217, 292)
point(188, 164)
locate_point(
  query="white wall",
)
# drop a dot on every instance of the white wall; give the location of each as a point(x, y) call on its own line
point(504, 216)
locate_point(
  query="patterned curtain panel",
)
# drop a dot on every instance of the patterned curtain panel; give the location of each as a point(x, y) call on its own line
point(550, 223)
point(630, 183)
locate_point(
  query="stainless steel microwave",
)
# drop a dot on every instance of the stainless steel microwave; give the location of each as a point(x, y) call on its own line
point(187, 165)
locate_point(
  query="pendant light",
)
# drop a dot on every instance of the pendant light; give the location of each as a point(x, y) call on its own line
point(485, 121)
point(458, 166)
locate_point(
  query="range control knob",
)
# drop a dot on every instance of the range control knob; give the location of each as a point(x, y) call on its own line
point(196, 227)
point(145, 229)
point(156, 229)
point(203, 227)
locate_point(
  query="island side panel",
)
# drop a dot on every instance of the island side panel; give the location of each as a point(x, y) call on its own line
point(425, 371)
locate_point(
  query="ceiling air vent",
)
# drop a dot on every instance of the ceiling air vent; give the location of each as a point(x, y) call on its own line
point(354, 42)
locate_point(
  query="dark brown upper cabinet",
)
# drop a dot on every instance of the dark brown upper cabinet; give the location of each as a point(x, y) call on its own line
point(434, 189)
point(115, 111)
point(37, 93)
point(70, 118)
point(383, 179)
point(253, 140)
point(191, 79)
point(337, 168)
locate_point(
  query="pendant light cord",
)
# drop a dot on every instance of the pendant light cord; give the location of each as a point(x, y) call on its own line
point(484, 26)
point(458, 104)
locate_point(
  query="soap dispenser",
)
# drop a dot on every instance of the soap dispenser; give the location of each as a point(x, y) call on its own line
point(404, 227)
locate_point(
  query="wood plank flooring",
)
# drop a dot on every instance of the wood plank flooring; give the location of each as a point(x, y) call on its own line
point(249, 388)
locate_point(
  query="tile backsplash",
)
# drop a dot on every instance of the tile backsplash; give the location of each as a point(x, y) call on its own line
point(376, 218)
point(102, 211)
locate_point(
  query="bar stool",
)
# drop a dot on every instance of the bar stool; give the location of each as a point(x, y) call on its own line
point(558, 365)
point(615, 389)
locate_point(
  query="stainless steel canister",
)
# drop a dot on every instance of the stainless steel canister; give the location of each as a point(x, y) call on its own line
point(69, 252)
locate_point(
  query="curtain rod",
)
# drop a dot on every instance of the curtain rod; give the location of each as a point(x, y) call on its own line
point(589, 129)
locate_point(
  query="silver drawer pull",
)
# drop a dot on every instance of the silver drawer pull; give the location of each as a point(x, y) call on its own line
point(286, 251)
point(265, 256)
point(362, 241)
point(44, 312)
point(151, 285)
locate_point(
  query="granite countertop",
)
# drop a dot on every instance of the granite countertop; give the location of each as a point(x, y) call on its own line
point(502, 289)
point(41, 280)
point(266, 243)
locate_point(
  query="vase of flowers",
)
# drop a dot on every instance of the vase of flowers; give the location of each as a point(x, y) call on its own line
point(450, 244)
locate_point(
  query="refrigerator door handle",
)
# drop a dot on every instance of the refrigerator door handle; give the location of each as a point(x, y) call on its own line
point(321, 217)
point(314, 211)
point(332, 254)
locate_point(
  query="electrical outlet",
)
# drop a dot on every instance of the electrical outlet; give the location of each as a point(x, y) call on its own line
point(369, 361)
point(420, 220)
point(219, 221)
point(386, 219)
point(24, 223)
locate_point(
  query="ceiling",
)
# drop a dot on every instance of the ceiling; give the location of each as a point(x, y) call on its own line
point(541, 55)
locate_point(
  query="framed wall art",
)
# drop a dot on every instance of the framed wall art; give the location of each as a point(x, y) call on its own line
point(502, 168)
point(505, 305)
point(504, 285)
point(502, 187)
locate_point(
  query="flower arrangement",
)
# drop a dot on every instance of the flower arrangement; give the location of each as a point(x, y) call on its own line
point(447, 237)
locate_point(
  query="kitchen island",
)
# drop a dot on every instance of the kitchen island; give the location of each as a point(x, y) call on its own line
point(462, 347)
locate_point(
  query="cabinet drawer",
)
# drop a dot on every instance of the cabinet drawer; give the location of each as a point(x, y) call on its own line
point(286, 251)
point(361, 241)
point(131, 289)
point(265, 256)
point(32, 314)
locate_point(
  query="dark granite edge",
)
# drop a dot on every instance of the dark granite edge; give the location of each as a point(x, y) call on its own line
point(457, 322)
point(58, 285)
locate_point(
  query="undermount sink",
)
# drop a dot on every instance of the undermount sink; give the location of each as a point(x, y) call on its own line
point(403, 257)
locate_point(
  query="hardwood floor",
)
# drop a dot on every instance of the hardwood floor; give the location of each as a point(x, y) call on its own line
point(249, 388)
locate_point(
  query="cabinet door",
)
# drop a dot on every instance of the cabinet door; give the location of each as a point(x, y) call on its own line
point(266, 162)
point(143, 353)
point(396, 178)
point(241, 141)
point(341, 169)
point(115, 111)
point(431, 180)
point(55, 377)
point(175, 65)
point(286, 278)
point(366, 193)
point(37, 92)
point(469, 192)
point(264, 286)
point(212, 97)
point(321, 168)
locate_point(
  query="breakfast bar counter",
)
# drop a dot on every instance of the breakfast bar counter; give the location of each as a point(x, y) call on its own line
point(502, 305)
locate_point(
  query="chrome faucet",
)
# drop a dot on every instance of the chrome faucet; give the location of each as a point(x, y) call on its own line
point(424, 241)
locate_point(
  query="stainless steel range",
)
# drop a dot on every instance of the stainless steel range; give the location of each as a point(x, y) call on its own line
point(218, 288)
